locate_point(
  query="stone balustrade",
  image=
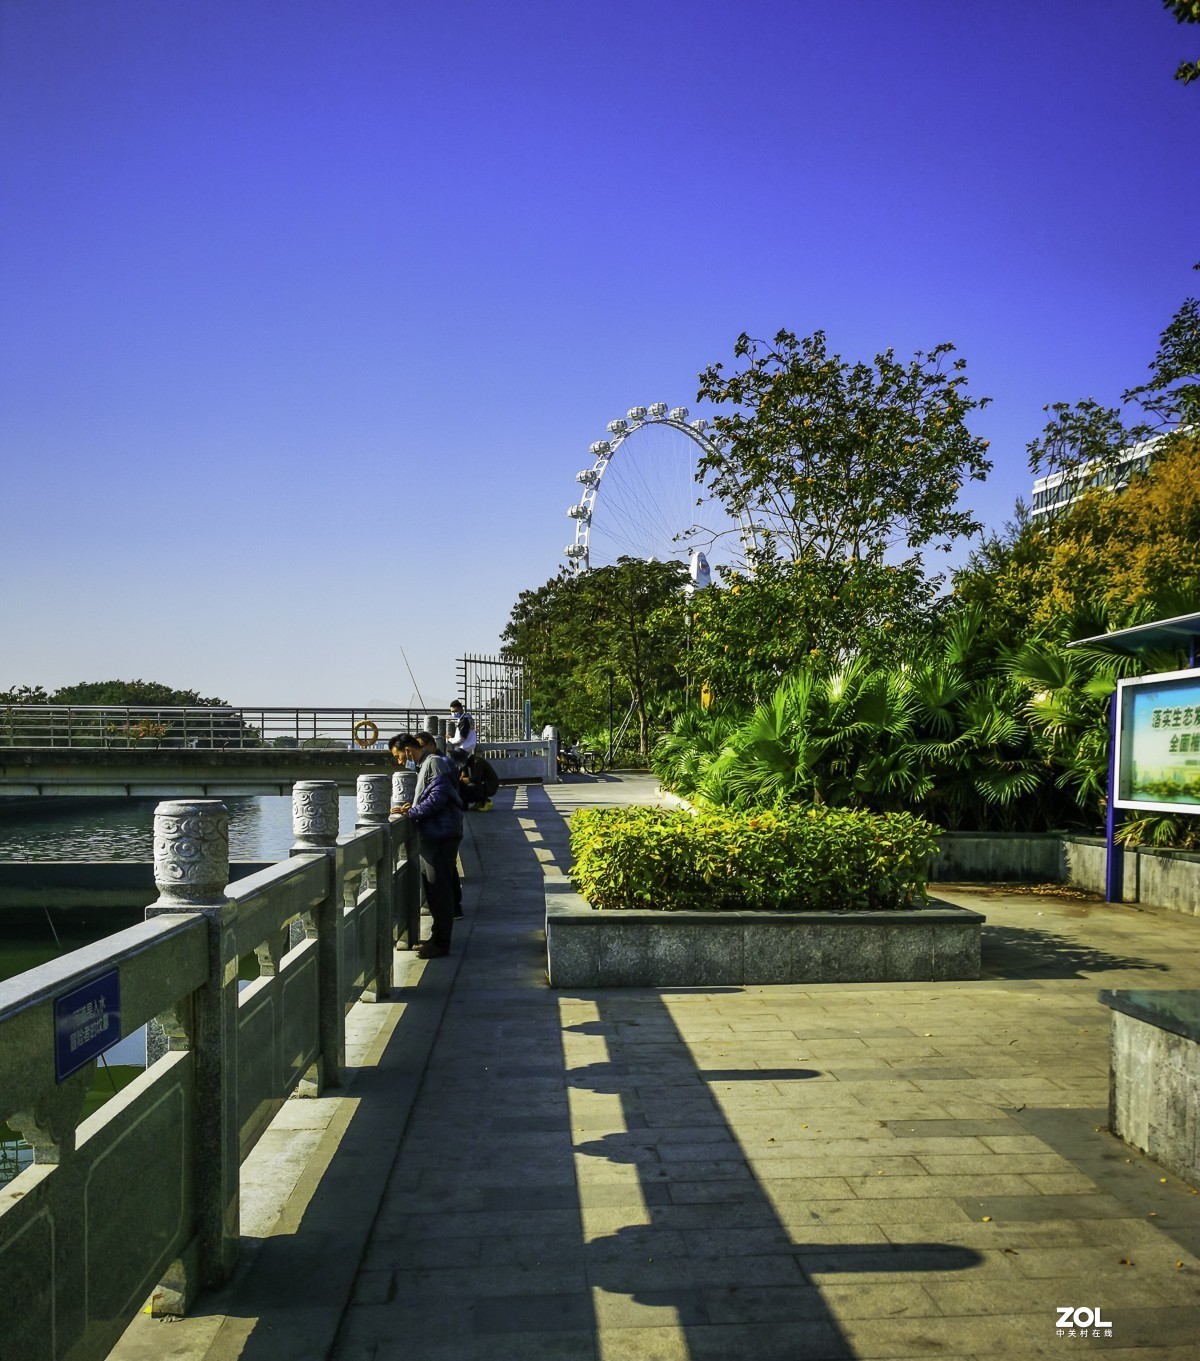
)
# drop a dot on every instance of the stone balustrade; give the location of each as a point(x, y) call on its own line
point(142, 1196)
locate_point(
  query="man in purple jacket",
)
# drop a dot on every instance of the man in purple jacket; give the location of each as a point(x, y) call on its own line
point(438, 811)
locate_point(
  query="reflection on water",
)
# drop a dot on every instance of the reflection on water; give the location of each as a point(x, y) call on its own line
point(80, 831)
point(259, 829)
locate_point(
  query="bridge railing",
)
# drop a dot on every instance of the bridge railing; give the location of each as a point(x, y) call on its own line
point(142, 1197)
point(121, 725)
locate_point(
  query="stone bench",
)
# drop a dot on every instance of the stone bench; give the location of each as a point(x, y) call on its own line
point(1154, 1076)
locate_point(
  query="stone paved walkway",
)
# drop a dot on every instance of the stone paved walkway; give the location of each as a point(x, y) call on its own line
point(775, 1173)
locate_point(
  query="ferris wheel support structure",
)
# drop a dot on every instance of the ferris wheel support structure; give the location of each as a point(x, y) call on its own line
point(603, 451)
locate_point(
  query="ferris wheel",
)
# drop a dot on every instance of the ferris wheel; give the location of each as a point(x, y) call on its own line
point(642, 498)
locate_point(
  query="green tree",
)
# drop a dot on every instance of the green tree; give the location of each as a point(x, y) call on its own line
point(135, 692)
point(545, 634)
point(637, 624)
point(754, 628)
point(574, 633)
point(24, 694)
point(1084, 442)
point(833, 461)
point(1104, 560)
point(1185, 12)
point(943, 733)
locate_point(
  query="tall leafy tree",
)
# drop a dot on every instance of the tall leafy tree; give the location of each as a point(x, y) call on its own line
point(756, 627)
point(842, 462)
point(1106, 559)
point(620, 625)
point(135, 692)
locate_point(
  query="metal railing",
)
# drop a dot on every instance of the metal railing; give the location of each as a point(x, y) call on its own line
point(493, 689)
point(144, 1193)
point(119, 725)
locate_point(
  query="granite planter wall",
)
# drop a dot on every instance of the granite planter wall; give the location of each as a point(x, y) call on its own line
point(1154, 1076)
point(647, 949)
point(997, 857)
point(1161, 878)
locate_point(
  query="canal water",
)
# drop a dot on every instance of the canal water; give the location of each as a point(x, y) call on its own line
point(86, 831)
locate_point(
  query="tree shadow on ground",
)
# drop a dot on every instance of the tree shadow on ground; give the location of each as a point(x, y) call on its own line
point(1025, 952)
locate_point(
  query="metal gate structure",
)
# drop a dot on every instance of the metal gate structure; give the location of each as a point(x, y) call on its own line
point(493, 689)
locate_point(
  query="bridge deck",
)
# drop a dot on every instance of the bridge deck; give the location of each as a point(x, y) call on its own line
point(871, 1170)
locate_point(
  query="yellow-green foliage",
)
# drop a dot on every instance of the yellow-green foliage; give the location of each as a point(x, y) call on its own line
point(783, 860)
point(1111, 552)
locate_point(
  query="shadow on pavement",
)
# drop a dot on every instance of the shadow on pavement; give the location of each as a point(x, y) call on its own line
point(713, 1252)
point(1020, 952)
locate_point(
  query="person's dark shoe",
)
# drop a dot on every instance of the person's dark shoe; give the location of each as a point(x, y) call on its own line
point(431, 951)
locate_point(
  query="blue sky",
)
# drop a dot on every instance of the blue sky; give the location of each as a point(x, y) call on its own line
point(309, 311)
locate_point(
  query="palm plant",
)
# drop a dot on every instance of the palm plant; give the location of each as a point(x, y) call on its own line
point(683, 757)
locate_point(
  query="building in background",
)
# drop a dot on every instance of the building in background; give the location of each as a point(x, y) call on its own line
point(1058, 490)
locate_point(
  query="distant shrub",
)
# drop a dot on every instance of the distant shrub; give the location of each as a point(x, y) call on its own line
point(814, 859)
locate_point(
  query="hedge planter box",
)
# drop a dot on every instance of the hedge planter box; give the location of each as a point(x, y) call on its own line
point(648, 949)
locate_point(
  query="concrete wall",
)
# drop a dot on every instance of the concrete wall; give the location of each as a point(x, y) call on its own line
point(637, 949)
point(1154, 1094)
point(520, 762)
point(1169, 879)
point(994, 857)
point(1160, 878)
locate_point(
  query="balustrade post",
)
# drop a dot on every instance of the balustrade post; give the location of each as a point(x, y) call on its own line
point(373, 808)
point(315, 827)
point(404, 786)
point(191, 871)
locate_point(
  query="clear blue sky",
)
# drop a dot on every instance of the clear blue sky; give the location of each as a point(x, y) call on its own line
point(309, 310)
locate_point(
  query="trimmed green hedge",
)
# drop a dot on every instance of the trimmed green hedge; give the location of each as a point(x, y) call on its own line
point(814, 859)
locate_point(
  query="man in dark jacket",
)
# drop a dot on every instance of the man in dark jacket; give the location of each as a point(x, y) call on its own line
point(478, 783)
point(437, 811)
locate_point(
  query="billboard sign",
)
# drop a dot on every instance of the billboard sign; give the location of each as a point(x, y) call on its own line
point(1158, 743)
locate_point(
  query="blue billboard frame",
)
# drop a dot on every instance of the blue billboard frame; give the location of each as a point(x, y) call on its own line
point(1157, 741)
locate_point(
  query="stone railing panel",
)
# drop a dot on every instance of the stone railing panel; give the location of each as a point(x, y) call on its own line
point(265, 903)
point(156, 963)
point(64, 1226)
point(146, 1191)
point(277, 1041)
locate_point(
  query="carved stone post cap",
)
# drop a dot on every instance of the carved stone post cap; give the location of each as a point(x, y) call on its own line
point(191, 850)
point(373, 798)
point(404, 786)
point(315, 812)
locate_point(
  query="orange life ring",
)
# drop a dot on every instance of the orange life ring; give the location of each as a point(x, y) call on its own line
point(366, 733)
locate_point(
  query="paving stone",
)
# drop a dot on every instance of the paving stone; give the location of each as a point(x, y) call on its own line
point(765, 1303)
point(532, 1314)
point(918, 1210)
point(650, 1308)
point(866, 1300)
point(1045, 1207)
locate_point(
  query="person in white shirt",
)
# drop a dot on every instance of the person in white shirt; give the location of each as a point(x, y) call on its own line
point(460, 734)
